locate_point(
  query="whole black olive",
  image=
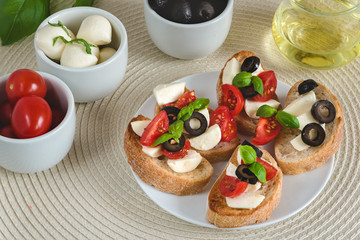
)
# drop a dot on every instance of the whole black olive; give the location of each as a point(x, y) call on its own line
point(259, 153)
point(156, 4)
point(323, 111)
point(181, 11)
point(307, 86)
point(244, 174)
point(203, 124)
point(249, 91)
point(172, 146)
point(204, 11)
point(250, 64)
point(309, 130)
point(171, 112)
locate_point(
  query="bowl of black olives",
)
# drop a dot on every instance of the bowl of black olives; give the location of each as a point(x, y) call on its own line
point(188, 29)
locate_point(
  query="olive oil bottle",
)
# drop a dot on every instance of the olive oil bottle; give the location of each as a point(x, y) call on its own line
point(318, 34)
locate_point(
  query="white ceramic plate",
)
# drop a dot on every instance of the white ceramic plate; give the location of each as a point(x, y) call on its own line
point(297, 191)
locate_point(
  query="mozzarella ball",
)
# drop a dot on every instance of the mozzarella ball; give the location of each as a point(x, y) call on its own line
point(44, 40)
point(106, 53)
point(95, 29)
point(75, 56)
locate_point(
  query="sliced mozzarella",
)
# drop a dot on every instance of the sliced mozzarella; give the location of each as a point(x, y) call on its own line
point(298, 143)
point(257, 71)
point(75, 56)
point(208, 140)
point(95, 29)
point(301, 104)
point(152, 151)
point(230, 170)
point(105, 54)
point(44, 40)
point(187, 163)
point(167, 93)
point(305, 119)
point(246, 200)
point(251, 106)
point(139, 126)
point(253, 187)
point(232, 68)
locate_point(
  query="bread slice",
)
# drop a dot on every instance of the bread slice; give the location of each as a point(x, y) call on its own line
point(156, 172)
point(292, 161)
point(223, 216)
point(245, 124)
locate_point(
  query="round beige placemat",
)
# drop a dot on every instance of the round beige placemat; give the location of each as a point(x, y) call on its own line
point(92, 193)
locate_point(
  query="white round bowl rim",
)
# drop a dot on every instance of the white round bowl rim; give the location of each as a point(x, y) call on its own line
point(226, 11)
point(118, 53)
point(70, 109)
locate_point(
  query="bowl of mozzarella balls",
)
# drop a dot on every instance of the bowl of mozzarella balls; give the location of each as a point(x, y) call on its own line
point(86, 47)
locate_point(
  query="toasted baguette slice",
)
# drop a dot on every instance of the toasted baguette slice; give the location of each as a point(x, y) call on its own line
point(156, 172)
point(245, 124)
point(292, 161)
point(223, 216)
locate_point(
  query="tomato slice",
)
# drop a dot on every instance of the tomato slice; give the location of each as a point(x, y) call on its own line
point(157, 127)
point(226, 122)
point(270, 169)
point(266, 130)
point(231, 186)
point(269, 83)
point(178, 154)
point(185, 99)
point(232, 98)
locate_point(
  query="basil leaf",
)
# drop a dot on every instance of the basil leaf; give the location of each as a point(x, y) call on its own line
point(76, 40)
point(21, 18)
point(185, 113)
point(266, 111)
point(247, 154)
point(287, 120)
point(200, 103)
point(259, 171)
point(176, 129)
point(258, 84)
point(163, 138)
point(242, 79)
point(83, 3)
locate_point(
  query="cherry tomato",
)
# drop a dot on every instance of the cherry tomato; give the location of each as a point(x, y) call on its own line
point(226, 122)
point(178, 154)
point(57, 117)
point(157, 127)
point(270, 169)
point(266, 130)
point(185, 99)
point(24, 82)
point(5, 113)
point(31, 117)
point(7, 131)
point(231, 186)
point(269, 83)
point(232, 98)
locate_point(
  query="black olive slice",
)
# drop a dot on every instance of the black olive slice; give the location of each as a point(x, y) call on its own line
point(259, 153)
point(172, 146)
point(307, 86)
point(248, 92)
point(244, 174)
point(171, 112)
point(311, 129)
point(323, 111)
point(250, 64)
point(203, 124)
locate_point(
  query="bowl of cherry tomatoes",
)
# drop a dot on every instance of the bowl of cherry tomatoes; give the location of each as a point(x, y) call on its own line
point(37, 121)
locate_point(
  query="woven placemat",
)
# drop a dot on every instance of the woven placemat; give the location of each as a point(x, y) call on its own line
point(92, 193)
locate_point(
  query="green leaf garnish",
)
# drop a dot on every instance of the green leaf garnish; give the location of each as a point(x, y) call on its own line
point(176, 129)
point(59, 24)
point(242, 79)
point(200, 103)
point(266, 111)
point(77, 40)
point(287, 120)
point(259, 171)
point(163, 138)
point(83, 3)
point(258, 84)
point(247, 154)
point(186, 112)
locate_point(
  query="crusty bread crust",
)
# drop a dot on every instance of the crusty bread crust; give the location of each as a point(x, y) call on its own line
point(245, 124)
point(156, 172)
point(221, 215)
point(292, 161)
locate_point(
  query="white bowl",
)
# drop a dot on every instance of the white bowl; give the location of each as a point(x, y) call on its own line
point(40, 153)
point(188, 41)
point(91, 83)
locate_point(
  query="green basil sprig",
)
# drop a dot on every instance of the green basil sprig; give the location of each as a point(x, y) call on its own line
point(77, 40)
point(175, 131)
point(186, 112)
point(244, 79)
point(59, 24)
point(248, 155)
point(284, 118)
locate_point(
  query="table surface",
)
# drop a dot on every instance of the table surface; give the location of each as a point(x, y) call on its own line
point(92, 193)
